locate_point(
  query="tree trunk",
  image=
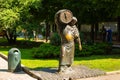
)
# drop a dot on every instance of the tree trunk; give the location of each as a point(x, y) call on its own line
point(96, 30)
point(92, 33)
point(79, 27)
point(118, 28)
point(14, 36)
point(47, 31)
point(11, 36)
point(54, 28)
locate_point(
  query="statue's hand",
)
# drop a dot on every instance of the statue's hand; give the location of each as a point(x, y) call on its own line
point(80, 47)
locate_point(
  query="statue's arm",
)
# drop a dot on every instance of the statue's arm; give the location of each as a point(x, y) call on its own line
point(79, 42)
point(77, 38)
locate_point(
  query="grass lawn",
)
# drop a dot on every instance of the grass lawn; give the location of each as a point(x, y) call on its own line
point(106, 63)
point(103, 62)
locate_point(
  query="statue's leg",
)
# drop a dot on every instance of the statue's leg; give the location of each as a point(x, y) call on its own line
point(62, 64)
point(66, 59)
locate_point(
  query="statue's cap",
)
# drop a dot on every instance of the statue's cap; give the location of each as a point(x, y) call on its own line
point(74, 18)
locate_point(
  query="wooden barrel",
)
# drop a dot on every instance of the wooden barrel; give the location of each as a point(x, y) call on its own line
point(65, 16)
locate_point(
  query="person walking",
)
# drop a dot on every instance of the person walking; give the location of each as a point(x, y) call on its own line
point(109, 35)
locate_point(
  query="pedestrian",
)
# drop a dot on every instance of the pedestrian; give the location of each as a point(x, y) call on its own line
point(34, 35)
point(109, 35)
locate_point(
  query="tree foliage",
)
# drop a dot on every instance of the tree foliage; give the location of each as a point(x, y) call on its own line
point(14, 13)
point(29, 13)
point(8, 13)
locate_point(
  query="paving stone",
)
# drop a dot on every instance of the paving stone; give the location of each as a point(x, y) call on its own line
point(77, 73)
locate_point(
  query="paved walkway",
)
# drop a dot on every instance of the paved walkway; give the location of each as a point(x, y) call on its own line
point(5, 75)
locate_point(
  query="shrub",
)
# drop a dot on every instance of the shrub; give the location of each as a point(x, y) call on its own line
point(27, 44)
point(46, 50)
point(55, 39)
point(85, 50)
point(94, 49)
point(115, 51)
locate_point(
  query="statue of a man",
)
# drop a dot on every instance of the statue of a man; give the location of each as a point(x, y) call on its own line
point(69, 33)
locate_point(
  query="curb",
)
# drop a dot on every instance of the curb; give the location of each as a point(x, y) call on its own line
point(3, 56)
point(25, 69)
point(113, 72)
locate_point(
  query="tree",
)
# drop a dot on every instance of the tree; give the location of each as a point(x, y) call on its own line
point(117, 14)
point(14, 13)
point(9, 17)
point(29, 13)
point(48, 10)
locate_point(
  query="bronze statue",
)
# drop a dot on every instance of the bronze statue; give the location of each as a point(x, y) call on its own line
point(69, 33)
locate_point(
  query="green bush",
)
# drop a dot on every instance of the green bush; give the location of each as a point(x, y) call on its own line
point(55, 39)
point(27, 44)
point(115, 51)
point(85, 50)
point(94, 49)
point(46, 51)
point(99, 48)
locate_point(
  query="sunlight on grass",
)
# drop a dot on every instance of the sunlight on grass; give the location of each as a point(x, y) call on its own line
point(39, 63)
point(103, 64)
point(4, 51)
point(107, 64)
point(20, 38)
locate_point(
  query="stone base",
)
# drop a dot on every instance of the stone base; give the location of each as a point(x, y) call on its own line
point(76, 73)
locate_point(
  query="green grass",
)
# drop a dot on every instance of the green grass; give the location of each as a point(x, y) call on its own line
point(106, 63)
point(103, 62)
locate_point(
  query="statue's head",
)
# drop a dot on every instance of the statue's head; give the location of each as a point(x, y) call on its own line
point(73, 22)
